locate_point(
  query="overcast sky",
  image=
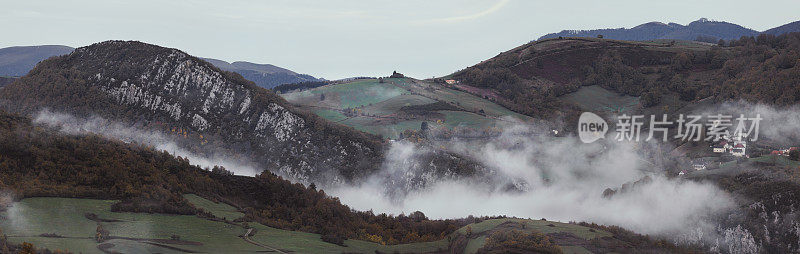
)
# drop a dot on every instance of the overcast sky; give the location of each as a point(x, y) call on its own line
point(337, 39)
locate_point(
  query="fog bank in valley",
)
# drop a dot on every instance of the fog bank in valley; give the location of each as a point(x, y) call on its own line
point(559, 179)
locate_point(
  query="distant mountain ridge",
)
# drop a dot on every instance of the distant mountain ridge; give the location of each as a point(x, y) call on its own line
point(788, 28)
point(17, 61)
point(264, 75)
point(700, 30)
point(6, 80)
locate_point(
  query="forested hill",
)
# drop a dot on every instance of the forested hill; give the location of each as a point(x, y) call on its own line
point(165, 88)
point(532, 78)
point(788, 28)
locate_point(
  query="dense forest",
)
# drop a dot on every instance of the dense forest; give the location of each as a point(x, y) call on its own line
point(285, 88)
point(35, 162)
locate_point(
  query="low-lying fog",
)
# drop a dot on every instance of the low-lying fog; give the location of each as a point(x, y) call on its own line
point(559, 179)
point(565, 182)
point(566, 179)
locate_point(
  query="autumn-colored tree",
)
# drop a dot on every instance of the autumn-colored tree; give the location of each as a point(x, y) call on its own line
point(516, 241)
point(3, 242)
point(794, 155)
point(100, 234)
point(27, 248)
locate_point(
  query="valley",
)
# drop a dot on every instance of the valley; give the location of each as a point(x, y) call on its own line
point(138, 145)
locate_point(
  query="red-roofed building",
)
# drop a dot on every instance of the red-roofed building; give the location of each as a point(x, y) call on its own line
point(738, 150)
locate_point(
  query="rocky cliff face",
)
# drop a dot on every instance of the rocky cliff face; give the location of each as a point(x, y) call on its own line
point(141, 83)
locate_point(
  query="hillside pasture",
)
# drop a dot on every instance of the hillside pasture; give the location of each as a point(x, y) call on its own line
point(219, 210)
point(461, 99)
point(330, 114)
point(378, 108)
point(395, 104)
point(348, 95)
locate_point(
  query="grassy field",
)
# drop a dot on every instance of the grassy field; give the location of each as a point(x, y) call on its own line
point(467, 119)
point(733, 167)
point(379, 106)
point(464, 100)
point(219, 210)
point(540, 226)
point(394, 104)
point(349, 95)
point(31, 217)
point(777, 160)
point(331, 115)
point(310, 243)
point(26, 220)
point(480, 232)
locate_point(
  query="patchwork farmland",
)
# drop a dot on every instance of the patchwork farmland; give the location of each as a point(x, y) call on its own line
point(390, 106)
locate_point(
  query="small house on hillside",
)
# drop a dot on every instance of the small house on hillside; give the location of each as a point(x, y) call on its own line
point(735, 146)
point(738, 150)
point(785, 152)
point(450, 82)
